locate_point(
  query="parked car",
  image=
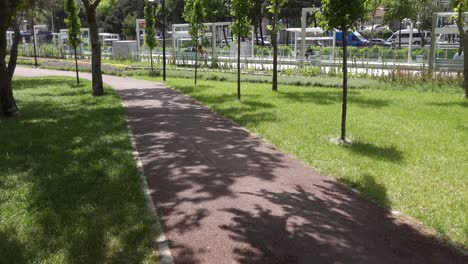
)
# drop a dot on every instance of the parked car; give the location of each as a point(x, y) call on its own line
point(381, 42)
point(266, 42)
point(224, 43)
point(377, 28)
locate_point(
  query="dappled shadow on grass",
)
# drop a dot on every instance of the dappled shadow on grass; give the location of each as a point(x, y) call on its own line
point(373, 190)
point(249, 110)
point(461, 103)
point(12, 250)
point(386, 153)
point(331, 97)
point(73, 161)
point(26, 83)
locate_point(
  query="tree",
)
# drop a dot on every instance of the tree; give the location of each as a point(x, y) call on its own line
point(150, 37)
point(274, 9)
point(343, 15)
point(461, 6)
point(240, 28)
point(372, 6)
point(8, 105)
point(74, 29)
point(195, 15)
point(91, 9)
point(128, 25)
point(114, 14)
point(256, 16)
point(397, 10)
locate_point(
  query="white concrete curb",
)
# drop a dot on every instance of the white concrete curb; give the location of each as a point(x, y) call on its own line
point(163, 251)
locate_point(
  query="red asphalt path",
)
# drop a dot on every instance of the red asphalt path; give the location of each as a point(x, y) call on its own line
point(225, 196)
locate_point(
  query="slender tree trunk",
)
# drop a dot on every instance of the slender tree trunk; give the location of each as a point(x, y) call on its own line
point(465, 67)
point(275, 56)
point(225, 35)
point(372, 27)
point(238, 68)
point(98, 88)
point(151, 58)
point(34, 38)
point(399, 35)
point(76, 68)
point(261, 32)
point(14, 48)
point(7, 101)
point(345, 85)
point(256, 34)
point(422, 37)
point(460, 23)
point(196, 63)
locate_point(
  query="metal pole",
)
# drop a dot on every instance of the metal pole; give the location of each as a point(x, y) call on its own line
point(34, 40)
point(334, 45)
point(213, 44)
point(303, 35)
point(433, 40)
point(164, 38)
point(137, 29)
point(410, 47)
point(52, 20)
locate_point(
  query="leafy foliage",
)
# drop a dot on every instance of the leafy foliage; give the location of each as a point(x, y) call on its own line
point(128, 25)
point(396, 10)
point(239, 11)
point(274, 8)
point(342, 14)
point(73, 23)
point(150, 37)
point(195, 14)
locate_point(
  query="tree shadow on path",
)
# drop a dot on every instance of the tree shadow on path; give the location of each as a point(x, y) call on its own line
point(224, 196)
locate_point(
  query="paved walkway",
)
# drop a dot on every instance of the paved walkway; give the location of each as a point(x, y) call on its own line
point(225, 196)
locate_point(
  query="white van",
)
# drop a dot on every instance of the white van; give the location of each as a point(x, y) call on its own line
point(405, 37)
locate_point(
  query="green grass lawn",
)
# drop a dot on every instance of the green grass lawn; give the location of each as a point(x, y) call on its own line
point(409, 152)
point(69, 187)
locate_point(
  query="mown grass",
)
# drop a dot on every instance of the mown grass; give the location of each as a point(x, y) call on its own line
point(69, 187)
point(409, 148)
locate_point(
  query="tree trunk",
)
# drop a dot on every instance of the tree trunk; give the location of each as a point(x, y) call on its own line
point(14, 48)
point(372, 27)
point(225, 35)
point(460, 22)
point(465, 67)
point(423, 42)
point(345, 85)
point(7, 101)
point(151, 59)
point(76, 68)
point(399, 35)
point(261, 32)
point(238, 68)
point(275, 56)
point(256, 34)
point(196, 63)
point(98, 88)
point(34, 38)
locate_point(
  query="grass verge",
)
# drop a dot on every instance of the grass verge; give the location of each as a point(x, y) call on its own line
point(409, 150)
point(69, 187)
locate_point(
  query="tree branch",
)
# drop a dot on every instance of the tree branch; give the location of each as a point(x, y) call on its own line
point(96, 3)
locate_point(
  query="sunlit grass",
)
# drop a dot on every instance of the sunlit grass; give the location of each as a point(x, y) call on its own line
point(69, 187)
point(409, 148)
